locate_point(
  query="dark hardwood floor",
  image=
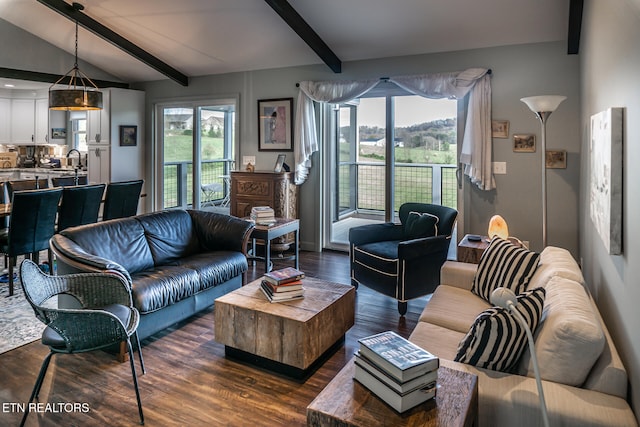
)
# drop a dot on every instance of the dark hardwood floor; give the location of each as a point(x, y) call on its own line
point(189, 382)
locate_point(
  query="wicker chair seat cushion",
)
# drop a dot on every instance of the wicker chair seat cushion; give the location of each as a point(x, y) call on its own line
point(53, 339)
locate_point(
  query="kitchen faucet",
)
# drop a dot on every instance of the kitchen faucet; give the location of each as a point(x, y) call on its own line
point(75, 179)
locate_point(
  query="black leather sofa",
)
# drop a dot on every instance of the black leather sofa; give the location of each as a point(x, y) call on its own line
point(178, 261)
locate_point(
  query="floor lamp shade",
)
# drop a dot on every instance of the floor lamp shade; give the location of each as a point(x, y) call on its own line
point(543, 106)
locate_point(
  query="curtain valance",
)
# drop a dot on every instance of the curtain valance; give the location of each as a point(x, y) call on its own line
point(476, 146)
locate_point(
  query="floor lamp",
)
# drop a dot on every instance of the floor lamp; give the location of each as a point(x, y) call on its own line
point(505, 298)
point(543, 106)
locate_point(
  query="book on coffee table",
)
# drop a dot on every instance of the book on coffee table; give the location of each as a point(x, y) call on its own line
point(401, 402)
point(283, 276)
point(398, 356)
point(281, 296)
point(399, 387)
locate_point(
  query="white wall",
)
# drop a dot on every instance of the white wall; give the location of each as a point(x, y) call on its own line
point(610, 60)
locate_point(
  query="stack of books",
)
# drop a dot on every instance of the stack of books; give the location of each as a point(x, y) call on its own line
point(396, 370)
point(263, 215)
point(283, 285)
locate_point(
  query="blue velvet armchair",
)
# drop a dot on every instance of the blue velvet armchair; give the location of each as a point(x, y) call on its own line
point(403, 260)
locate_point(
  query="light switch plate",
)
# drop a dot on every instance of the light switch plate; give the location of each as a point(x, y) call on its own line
point(500, 168)
point(248, 159)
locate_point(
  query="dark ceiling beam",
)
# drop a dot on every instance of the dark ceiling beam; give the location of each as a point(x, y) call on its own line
point(35, 76)
point(117, 40)
point(306, 33)
point(575, 26)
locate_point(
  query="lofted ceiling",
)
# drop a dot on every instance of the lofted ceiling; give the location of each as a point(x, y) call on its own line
point(202, 37)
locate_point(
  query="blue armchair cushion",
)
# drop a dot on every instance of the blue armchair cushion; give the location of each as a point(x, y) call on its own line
point(380, 256)
point(420, 225)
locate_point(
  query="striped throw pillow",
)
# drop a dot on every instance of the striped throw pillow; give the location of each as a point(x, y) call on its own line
point(496, 339)
point(506, 265)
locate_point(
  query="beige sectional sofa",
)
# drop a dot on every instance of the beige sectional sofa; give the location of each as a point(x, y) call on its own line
point(584, 381)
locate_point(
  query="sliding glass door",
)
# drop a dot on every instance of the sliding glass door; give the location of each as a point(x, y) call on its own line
point(195, 154)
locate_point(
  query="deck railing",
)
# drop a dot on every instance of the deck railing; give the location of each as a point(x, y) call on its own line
point(413, 182)
point(178, 179)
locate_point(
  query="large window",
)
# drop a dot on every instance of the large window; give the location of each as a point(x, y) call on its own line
point(388, 150)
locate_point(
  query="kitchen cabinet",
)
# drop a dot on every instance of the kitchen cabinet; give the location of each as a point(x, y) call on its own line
point(99, 122)
point(5, 120)
point(41, 121)
point(23, 121)
point(99, 163)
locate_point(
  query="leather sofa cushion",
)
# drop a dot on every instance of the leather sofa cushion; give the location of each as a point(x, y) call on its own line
point(122, 241)
point(380, 256)
point(170, 235)
point(168, 284)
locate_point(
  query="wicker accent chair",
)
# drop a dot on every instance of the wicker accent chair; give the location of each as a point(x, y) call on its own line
point(403, 260)
point(106, 317)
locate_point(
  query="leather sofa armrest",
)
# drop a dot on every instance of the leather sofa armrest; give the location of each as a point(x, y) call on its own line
point(458, 274)
point(375, 233)
point(77, 258)
point(221, 232)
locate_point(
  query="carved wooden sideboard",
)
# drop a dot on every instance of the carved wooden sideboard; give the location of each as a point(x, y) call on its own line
point(264, 188)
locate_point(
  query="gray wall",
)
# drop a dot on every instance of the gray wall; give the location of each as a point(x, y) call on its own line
point(610, 60)
point(518, 71)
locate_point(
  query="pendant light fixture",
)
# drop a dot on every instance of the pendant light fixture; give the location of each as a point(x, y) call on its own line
point(81, 93)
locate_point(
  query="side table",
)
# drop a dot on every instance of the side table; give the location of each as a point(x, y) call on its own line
point(267, 233)
point(471, 251)
point(344, 402)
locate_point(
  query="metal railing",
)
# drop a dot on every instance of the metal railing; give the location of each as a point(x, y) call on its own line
point(178, 181)
point(361, 185)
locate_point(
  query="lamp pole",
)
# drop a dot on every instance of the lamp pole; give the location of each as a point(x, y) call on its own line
point(543, 106)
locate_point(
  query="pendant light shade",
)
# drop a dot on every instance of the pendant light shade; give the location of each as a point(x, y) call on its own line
point(81, 93)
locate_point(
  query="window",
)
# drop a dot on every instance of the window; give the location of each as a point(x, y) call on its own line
point(372, 178)
point(79, 130)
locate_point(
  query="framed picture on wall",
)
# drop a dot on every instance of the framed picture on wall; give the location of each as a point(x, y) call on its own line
point(556, 159)
point(128, 135)
point(524, 143)
point(275, 124)
point(500, 128)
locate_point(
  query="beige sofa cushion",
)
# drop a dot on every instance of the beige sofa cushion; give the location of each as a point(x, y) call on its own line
point(437, 340)
point(453, 308)
point(555, 262)
point(570, 339)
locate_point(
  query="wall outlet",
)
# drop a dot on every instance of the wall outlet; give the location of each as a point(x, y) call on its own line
point(500, 168)
point(248, 159)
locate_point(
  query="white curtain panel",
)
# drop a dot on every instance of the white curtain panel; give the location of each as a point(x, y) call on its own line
point(476, 144)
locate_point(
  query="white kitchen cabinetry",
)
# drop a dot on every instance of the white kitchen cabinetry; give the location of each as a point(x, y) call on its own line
point(23, 121)
point(5, 120)
point(41, 121)
point(99, 163)
point(99, 122)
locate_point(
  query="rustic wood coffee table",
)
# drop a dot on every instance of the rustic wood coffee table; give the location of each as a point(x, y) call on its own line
point(292, 337)
point(346, 403)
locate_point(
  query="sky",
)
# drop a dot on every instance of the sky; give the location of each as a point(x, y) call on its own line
point(410, 110)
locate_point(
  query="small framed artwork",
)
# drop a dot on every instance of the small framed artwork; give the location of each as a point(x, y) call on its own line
point(279, 163)
point(275, 124)
point(58, 133)
point(500, 128)
point(128, 135)
point(524, 143)
point(556, 159)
